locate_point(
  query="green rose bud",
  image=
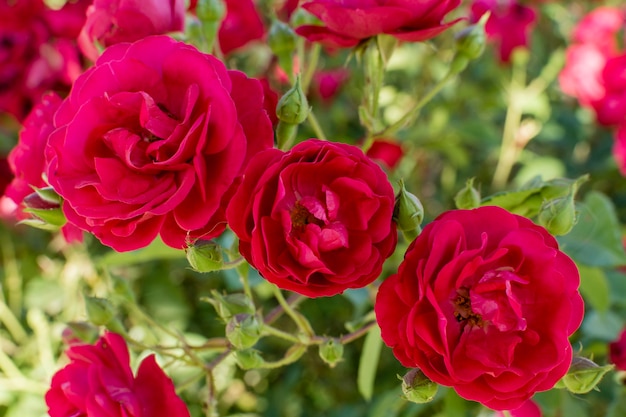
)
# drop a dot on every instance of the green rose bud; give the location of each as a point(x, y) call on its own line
point(281, 38)
point(301, 17)
point(45, 206)
point(293, 106)
point(205, 256)
point(584, 375)
point(243, 331)
point(83, 331)
point(249, 359)
point(558, 216)
point(408, 213)
point(229, 305)
point(417, 388)
point(331, 352)
point(100, 311)
point(471, 41)
point(210, 10)
point(468, 197)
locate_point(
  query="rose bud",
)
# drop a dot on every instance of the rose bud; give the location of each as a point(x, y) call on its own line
point(243, 331)
point(210, 13)
point(205, 256)
point(331, 352)
point(229, 305)
point(78, 332)
point(282, 41)
point(558, 215)
point(291, 110)
point(408, 213)
point(100, 311)
point(471, 41)
point(468, 197)
point(584, 375)
point(417, 388)
point(249, 359)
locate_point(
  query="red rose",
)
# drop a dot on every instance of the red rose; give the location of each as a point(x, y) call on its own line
point(611, 109)
point(348, 22)
point(316, 220)
point(241, 25)
point(599, 28)
point(150, 140)
point(509, 24)
point(98, 382)
point(114, 21)
point(386, 152)
point(483, 302)
point(617, 352)
point(528, 409)
point(581, 77)
point(327, 83)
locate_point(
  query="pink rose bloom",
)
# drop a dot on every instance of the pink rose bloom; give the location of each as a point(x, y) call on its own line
point(617, 351)
point(241, 25)
point(150, 141)
point(599, 27)
point(98, 382)
point(484, 302)
point(619, 149)
point(387, 152)
point(114, 21)
point(348, 22)
point(316, 220)
point(508, 26)
point(528, 409)
point(581, 77)
point(611, 109)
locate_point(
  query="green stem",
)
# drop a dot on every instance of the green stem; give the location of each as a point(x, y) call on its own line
point(412, 114)
point(311, 66)
point(12, 324)
point(315, 125)
point(13, 281)
point(293, 354)
point(272, 331)
point(350, 337)
point(300, 321)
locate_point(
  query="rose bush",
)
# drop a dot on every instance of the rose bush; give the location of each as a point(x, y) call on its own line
point(348, 22)
point(316, 220)
point(114, 21)
point(150, 141)
point(98, 382)
point(484, 302)
point(617, 351)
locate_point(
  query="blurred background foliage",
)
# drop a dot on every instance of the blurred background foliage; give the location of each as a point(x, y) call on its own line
point(457, 137)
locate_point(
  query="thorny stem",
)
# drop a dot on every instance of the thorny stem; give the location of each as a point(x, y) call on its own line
point(300, 321)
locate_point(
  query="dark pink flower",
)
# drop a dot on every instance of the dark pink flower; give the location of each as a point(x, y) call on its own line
point(241, 25)
point(150, 141)
point(316, 219)
point(617, 351)
point(508, 26)
point(619, 148)
point(599, 28)
point(114, 21)
point(348, 22)
point(98, 382)
point(528, 409)
point(387, 152)
point(611, 109)
point(484, 302)
point(581, 77)
point(327, 83)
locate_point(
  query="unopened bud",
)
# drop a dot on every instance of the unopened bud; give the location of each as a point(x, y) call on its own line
point(293, 106)
point(78, 332)
point(243, 331)
point(249, 359)
point(45, 205)
point(230, 305)
point(211, 10)
point(281, 38)
point(100, 311)
point(471, 41)
point(558, 216)
point(205, 256)
point(408, 213)
point(331, 352)
point(417, 388)
point(468, 197)
point(301, 17)
point(584, 375)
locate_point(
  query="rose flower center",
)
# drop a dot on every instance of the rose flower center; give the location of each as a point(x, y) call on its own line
point(301, 216)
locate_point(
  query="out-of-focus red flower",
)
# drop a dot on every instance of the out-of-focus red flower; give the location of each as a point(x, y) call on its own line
point(114, 21)
point(348, 22)
point(508, 26)
point(611, 109)
point(617, 351)
point(619, 149)
point(98, 382)
point(241, 25)
point(327, 83)
point(286, 9)
point(387, 152)
point(599, 28)
point(6, 176)
point(528, 409)
point(581, 77)
point(37, 52)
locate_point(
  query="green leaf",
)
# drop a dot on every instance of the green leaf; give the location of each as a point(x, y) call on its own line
point(596, 239)
point(369, 362)
point(602, 326)
point(594, 287)
point(618, 406)
point(156, 250)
